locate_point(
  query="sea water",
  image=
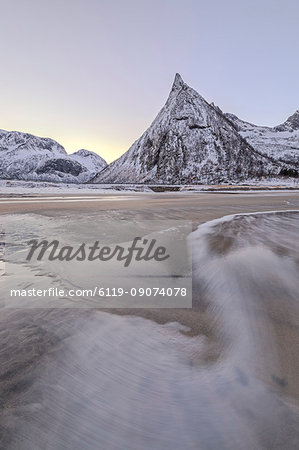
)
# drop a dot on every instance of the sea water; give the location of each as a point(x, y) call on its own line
point(123, 382)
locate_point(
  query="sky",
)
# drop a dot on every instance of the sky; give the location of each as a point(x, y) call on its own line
point(94, 73)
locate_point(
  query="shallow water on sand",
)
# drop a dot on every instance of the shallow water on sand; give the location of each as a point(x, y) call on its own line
point(123, 382)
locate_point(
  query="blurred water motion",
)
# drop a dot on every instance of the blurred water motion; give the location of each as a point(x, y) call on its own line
point(227, 381)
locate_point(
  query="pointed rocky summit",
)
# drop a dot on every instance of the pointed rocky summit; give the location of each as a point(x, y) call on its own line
point(178, 82)
point(189, 141)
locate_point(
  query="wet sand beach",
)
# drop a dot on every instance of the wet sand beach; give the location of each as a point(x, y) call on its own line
point(199, 207)
point(220, 375)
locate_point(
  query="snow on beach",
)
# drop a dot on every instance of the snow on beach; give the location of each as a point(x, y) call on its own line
point(18, 187)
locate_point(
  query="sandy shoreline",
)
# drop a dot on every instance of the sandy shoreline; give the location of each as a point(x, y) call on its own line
point(35, 346)
point(199, 207)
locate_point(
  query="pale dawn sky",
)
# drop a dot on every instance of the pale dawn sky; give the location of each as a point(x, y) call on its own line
point(94, 73)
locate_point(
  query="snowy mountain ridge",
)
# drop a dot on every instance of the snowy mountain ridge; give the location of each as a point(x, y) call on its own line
point(291, 124)
point(280, 142)
point(189, 140)
point(27, 157)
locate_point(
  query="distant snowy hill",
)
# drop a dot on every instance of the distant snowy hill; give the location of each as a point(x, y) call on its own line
point(189, 140)
point(92, 161)
point(27, 157)
point(280, 142)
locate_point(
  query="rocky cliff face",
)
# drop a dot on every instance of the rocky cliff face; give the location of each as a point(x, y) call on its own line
point(189, 140)
point(27, 157)
point(280, 142)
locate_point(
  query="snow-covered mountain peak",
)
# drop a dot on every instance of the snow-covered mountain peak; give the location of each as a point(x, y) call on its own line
point(184, 107)
point(291, 124)
point(91, 160)
point(12, 141)
point(27, 157)
point(178, 82)
point(182, 94)
point(83, 152)
point(188, 140)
